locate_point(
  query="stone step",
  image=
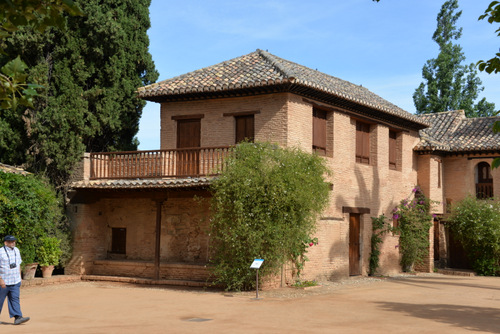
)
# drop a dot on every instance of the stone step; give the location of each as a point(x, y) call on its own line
point(146, 281)
point(456, 272)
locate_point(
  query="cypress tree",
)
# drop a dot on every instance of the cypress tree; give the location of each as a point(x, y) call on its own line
point(91, 72)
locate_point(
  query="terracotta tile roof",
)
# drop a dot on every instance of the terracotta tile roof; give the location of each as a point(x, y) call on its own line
point(11, 169)
point(261, 71)
point(452, 131)
point(142, 183)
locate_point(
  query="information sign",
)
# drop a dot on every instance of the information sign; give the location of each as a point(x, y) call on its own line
point(256, 263)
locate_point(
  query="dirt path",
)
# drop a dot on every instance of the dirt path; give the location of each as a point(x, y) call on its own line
point(417, 304)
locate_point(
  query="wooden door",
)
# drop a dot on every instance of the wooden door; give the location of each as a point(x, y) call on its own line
point(188, 136)
point(436, 240)
point(354, 251)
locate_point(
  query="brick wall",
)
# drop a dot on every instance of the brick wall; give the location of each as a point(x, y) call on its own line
point(219, 130)
point(184, 231)
point(459, 176)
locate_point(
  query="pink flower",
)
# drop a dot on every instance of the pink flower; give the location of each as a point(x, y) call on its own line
point(395, 217)
point(311, 244)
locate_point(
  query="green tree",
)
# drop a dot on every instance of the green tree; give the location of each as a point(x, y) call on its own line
point(492, 13)
point(31, 210)
point(265, 205)
point(448, 83)
point(476, 223)
point(40, 15)
point(91, 71)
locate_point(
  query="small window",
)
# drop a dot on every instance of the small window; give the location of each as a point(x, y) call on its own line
point(362, 142)
point(119, 240)
point(393, 149)
point(319, 131)
point(244, 128)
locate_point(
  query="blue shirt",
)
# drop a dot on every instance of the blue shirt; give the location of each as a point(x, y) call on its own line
point(10, 275)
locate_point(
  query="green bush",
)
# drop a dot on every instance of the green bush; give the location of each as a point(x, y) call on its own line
point(476, 224)
point(265, 205)
point(30, 209)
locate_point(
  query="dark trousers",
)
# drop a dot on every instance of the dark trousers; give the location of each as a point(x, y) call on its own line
point(13, 293)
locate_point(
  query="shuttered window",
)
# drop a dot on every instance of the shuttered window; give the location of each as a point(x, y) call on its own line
point(319, 131)
point(362, 142)
point(244, 128)
point(392, 149)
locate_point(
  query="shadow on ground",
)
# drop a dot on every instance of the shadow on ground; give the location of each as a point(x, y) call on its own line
point(484, 319)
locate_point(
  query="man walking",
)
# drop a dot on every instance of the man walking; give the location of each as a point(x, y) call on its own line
point(10, 279)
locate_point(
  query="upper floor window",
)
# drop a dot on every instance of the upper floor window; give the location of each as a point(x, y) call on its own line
point(362, 142)
point(484, 181)
point(319, 131)
point(244, 128)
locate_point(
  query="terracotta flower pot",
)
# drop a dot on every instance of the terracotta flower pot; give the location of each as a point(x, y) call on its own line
point(29, 271)
point(47, 271)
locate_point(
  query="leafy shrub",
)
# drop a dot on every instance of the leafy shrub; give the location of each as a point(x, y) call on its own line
point(49, 252)
point(414, 221)
point(379, 227)
point(476, 224)
point(264, 206)
point(30, 209)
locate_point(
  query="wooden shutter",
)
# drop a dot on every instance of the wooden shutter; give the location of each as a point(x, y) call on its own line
point(245, 128)
point(319, 131)
point(362, 142)
point(392, 149)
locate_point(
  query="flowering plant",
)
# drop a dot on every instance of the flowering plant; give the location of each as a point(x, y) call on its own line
point(414, 221)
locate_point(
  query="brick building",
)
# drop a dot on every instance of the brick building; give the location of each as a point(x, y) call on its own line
point(136, 213)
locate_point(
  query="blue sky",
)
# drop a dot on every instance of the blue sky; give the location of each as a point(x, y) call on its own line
point(382, 46)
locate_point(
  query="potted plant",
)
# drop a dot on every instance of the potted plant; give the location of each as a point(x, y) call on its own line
point(29, 265)
point(49, 254)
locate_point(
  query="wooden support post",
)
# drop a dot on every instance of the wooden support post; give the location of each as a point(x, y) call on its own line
point(159, 204)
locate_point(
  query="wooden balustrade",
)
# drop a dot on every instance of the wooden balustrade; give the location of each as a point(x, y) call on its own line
point(185, 162)
point(484, 190)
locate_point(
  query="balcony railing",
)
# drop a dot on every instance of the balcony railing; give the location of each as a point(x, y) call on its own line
point(484, 190)
point(185, 162)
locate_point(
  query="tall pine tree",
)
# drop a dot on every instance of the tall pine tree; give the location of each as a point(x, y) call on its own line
point(91, 72)
point(448, 83)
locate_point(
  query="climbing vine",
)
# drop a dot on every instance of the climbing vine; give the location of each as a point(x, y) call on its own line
point(414, 221)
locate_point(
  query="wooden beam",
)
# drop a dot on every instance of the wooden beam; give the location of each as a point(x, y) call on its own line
point(241, 113)
point(350, 209)
point(178, 117)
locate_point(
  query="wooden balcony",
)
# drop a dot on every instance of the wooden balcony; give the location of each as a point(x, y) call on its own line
point(484, 190)
point(176, 163)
